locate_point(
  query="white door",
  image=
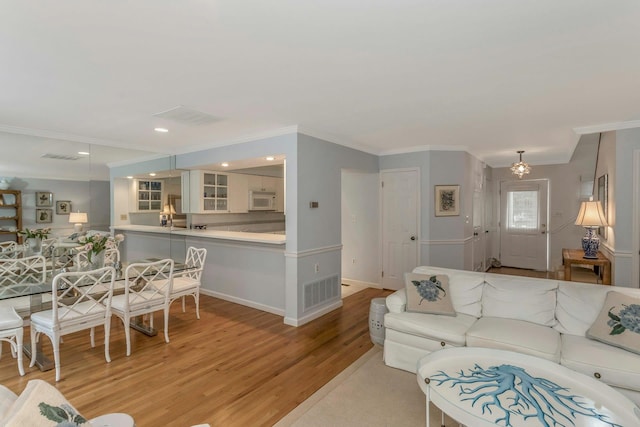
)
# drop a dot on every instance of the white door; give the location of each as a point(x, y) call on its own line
point(523, 224)
point(400, 226)
point(477, 253)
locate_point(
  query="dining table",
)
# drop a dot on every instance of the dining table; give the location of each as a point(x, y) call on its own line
point(29, 294)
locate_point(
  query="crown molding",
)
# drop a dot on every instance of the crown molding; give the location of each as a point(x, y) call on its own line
point(607, 127)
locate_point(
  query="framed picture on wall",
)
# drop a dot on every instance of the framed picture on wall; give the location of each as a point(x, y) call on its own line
point(44, 215)
point(63, 207)
point(44, 199)
point(603, 197)
point(447, 200)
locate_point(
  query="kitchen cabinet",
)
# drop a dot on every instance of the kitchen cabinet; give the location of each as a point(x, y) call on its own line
point(148, 195)
point(238, 193)
point(208, 192)
point(10, 215)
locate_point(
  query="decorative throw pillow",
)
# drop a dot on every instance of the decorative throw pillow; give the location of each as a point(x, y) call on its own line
point(42, 405)
point(618, 323)
point(428, 293)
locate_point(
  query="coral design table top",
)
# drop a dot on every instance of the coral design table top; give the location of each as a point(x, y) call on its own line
point(488, 387)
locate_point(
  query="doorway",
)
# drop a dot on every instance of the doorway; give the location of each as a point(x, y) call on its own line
point(523, 224)
point(400, 225)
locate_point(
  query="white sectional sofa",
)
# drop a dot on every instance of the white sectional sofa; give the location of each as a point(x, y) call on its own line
point(540, 317)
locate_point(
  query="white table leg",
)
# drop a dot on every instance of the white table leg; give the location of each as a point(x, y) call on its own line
point(428, 399)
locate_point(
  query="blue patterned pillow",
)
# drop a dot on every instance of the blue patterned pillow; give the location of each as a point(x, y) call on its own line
point(428, 293)
point(618, 323)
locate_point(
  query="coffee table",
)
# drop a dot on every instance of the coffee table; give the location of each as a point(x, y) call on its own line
point(486, 387)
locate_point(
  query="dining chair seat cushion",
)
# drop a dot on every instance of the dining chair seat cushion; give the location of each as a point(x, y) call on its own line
point(40, 405)
point(148, 299)
point(184, 282)
point(45, 318)
point(9, 319)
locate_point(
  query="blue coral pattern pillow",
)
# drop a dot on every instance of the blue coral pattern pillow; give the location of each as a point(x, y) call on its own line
point(427, 293)
point(618, 323)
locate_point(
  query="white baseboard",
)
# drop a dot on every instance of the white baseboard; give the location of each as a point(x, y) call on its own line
point(312, 316)
point(241, 301)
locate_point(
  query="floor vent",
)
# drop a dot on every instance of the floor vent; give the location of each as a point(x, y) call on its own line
point(321, 291)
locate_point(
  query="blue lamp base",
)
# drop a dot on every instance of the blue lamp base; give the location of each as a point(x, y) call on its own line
point(590, 244)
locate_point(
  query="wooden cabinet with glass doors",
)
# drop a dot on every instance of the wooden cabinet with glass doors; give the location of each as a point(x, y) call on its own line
point(10, 215)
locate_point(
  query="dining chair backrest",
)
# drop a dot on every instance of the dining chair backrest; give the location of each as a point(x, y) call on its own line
point(81, 296)
point(23, 271)
point(148, 284)
point(111, 256)
point(8, 249)
point(48, 246)
point(195, 262)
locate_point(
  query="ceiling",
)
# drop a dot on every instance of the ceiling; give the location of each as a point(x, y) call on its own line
point(490, 77)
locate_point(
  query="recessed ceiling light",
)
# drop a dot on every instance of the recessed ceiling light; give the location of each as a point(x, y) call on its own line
point(129, 177)
point(270, 158)
point(163, 130)
point(84, 153)
point(152, 174)
point(225, 164)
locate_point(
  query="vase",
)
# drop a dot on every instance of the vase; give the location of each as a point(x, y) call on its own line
point(97, 261)
point(35, 244)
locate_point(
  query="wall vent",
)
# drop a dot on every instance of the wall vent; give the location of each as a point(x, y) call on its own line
point(59, 156)
point(187, 116)
point(320, 291)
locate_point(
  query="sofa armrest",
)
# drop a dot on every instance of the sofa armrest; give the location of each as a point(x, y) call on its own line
point(397, 301)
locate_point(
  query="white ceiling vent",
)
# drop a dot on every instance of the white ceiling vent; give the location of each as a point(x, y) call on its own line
point(59, 156)
point(188, 116)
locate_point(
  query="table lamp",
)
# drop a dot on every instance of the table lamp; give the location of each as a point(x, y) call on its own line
point(591, 216)
point(77, 219)
point(169, 211)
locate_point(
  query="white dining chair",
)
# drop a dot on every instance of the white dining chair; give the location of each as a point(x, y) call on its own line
point(80, 300)
point(147, 289)
point(11, 331)
point(8, 249)
point(188, 282)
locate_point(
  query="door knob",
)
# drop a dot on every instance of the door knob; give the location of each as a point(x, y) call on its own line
point(413, 237)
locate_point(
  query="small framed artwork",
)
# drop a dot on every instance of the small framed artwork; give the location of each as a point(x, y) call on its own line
point(447, 200)
point(44, 215)
point(63, 207)
point(603, 196)
point(44, 199)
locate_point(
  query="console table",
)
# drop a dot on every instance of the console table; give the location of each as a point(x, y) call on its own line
point(485, 387)
point(576, 256)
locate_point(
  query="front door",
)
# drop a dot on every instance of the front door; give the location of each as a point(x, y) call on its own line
point(400, 232)
point(523, 224)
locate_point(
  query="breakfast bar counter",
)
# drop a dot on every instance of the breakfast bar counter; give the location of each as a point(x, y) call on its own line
point(245, 268)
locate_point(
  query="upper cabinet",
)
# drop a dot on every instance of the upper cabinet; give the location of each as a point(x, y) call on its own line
point(215, 192)
point(208, 192)
point(148, 195)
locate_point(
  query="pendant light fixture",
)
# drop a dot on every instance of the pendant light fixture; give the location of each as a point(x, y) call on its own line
point(520, 168)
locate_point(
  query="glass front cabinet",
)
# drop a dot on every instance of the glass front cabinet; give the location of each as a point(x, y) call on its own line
point(149, 195)
point(209, 192)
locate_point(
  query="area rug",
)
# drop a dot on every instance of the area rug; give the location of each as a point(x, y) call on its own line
point(367, 393)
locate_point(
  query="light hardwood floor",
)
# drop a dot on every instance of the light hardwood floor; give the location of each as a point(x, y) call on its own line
point(236, 366)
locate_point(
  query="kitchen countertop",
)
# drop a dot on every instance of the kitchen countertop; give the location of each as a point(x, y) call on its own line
point(267, 238)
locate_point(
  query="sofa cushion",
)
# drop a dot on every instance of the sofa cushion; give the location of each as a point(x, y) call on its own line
point(465, 286)
point(618, 323)
point(428, 293)
point(41, 404)
point(578, 306)
point(612, 365)
point(7, 397)
point(433, 326)
point(520, 298)
point(515, 335)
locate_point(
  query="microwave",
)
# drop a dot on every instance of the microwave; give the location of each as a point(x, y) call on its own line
point(262, 201)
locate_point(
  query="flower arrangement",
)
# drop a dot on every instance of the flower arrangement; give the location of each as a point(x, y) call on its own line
point(96, 243)
point(36, 233)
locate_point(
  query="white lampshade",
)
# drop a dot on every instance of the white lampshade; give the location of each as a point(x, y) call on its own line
point(77, 219)
point(591, 215)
